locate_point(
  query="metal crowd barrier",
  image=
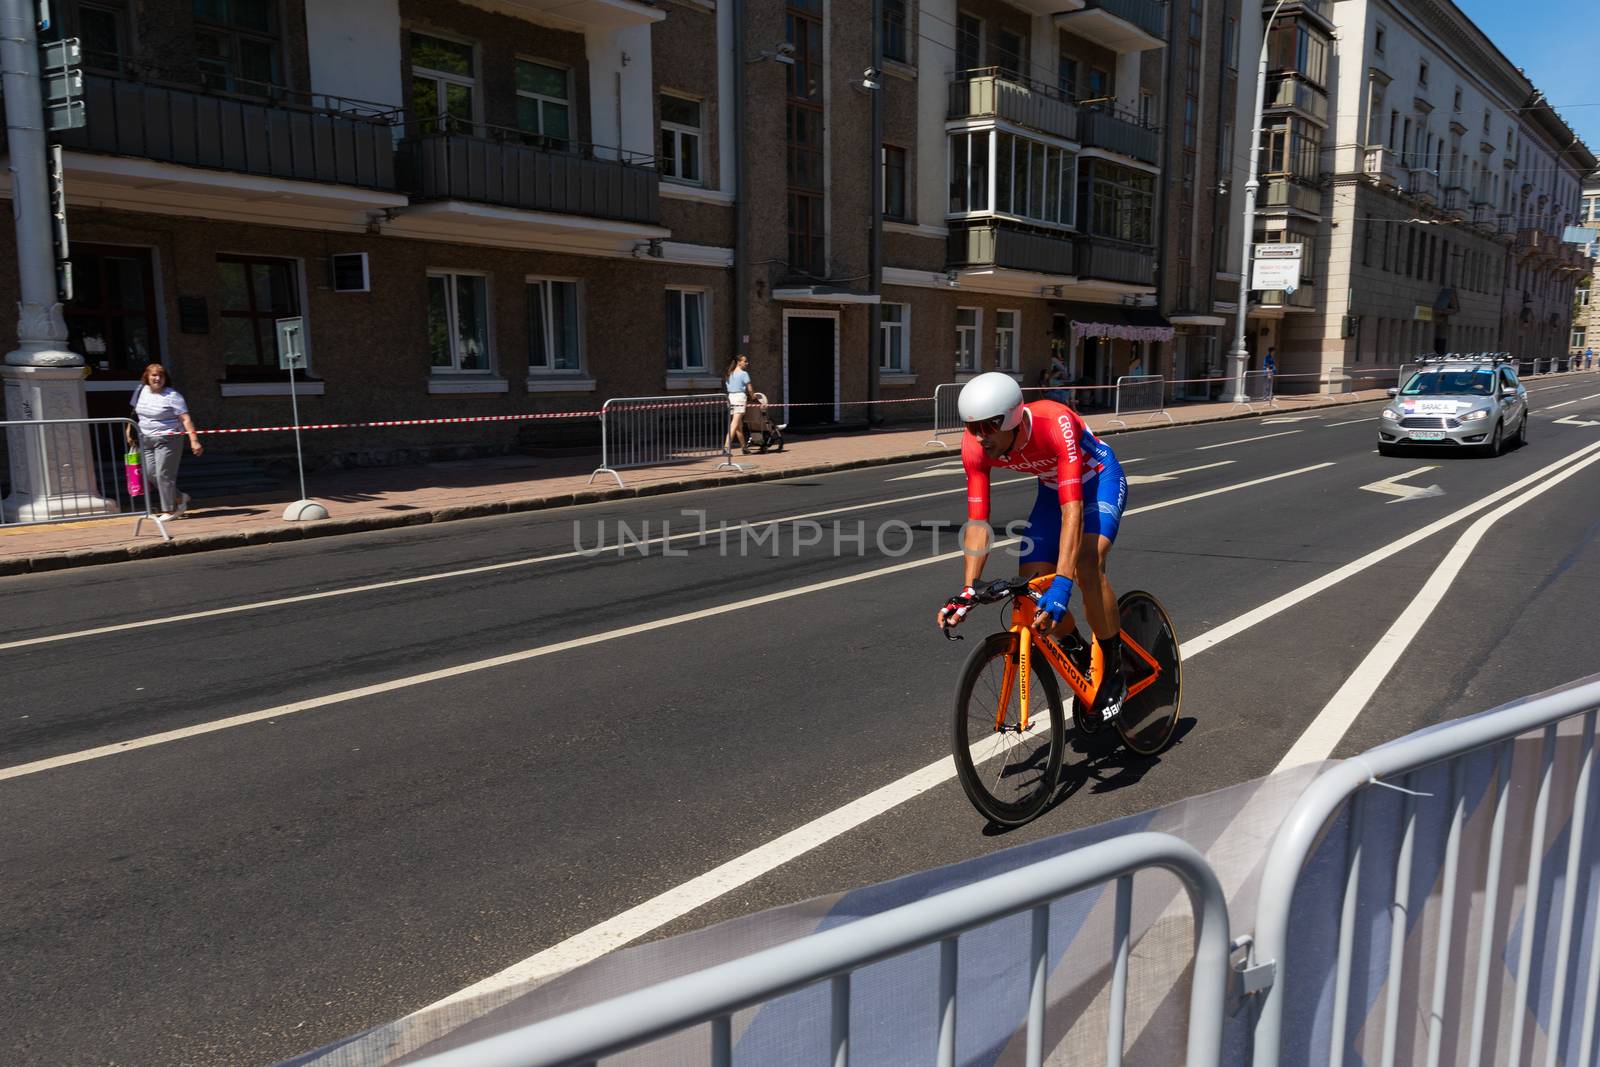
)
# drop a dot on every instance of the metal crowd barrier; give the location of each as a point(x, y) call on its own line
point(82, 473)
point(712, 996)
point(946, 415)
point(646, 431)
point(1258, 389)
point(1448, 776)
point(1138, 394)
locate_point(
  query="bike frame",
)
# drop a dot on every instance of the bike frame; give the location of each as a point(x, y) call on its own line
point(1085, 688)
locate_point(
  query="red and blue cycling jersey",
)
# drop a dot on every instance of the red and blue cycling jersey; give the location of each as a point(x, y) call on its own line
point(1054, 443)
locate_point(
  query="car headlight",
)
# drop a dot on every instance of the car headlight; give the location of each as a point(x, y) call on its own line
point(1390, 413)
point(1476, 416)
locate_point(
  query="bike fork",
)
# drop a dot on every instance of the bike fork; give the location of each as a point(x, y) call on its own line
point(1024, 657)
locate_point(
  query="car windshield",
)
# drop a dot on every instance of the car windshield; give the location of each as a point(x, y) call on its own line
point(1450, 383)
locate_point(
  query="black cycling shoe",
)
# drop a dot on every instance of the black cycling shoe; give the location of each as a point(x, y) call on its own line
point(1108, 701)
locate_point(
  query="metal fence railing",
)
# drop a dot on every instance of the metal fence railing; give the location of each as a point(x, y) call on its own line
point(1458, 856)
point(713, 995)
point(647, 431)
point(946, 415)
point(1258, 389)
point(1141, 394)
point(70, 470)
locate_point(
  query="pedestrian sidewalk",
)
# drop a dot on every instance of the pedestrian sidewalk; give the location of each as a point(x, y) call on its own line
point(375, 498)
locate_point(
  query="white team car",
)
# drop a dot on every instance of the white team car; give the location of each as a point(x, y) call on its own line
point(1477, 404)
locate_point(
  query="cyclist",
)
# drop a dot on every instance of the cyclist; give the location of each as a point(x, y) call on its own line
point(1082, 492)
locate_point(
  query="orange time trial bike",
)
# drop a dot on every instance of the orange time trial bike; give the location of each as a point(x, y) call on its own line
point(1010, 725)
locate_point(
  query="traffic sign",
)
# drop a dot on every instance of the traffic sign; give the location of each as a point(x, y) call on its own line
point(291, 344)
point(1279, 251)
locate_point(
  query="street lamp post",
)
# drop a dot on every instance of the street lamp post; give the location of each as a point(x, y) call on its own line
point(1240, 356)
point(43, 378)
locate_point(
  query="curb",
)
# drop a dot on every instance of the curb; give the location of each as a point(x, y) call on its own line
point(181, 546)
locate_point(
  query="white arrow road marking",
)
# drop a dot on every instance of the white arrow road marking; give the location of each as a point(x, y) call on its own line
point(950, 467)
point(1141, 479)
point(1287, 418)
point(1573, 420)
point(1392, 487)
point(1247, 440)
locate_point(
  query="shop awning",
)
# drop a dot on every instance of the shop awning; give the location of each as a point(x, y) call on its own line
point(1115, 321)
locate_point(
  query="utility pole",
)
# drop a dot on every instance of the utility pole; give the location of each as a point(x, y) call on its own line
point(42, 378)
point(875, 235)
point(1240, 356)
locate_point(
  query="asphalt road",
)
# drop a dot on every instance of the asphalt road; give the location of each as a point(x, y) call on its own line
point(461, 744)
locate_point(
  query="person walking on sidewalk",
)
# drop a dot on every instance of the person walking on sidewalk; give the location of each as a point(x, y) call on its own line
point(163, 417)
point(737, 382)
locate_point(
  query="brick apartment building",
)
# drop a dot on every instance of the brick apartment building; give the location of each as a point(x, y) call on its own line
point(497, 206)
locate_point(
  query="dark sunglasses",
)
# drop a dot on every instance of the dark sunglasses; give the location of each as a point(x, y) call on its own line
point(984, 427)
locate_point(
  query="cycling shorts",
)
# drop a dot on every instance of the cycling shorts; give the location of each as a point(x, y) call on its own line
point(1103, 500)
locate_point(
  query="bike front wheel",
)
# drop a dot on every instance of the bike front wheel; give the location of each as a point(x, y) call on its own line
point(1150, 714)
point(1007, 770)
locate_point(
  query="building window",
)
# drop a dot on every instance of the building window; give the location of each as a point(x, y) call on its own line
point(1456, 103)
point(686, 330)
point(1422, 73)
point(1034, 180)
point(1005, 340)
point(1578, 335)
point(236, 46)
point(969, 42)
point(103, 36)
point(894, 30)
point(969, 172)
point(1009, 48)
point(1067, 76)
point(1121, 202)
point(1147, 109)
point(1379, 36)
point(443, 84)
point(1583, 297)
point(894, 182)
point(1295, 47)
point(544, 104)
point(252, 294)
point(1099, 84)
point(894, 327)
point(807, 238)
point(1230, 42)
point(1293, 147)
point(110, 317)
point(680, 139)
point(555, 339)
point(458, 323)
point(967, 323)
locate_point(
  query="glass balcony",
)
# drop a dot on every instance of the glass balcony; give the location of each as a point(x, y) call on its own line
point(1292, 93)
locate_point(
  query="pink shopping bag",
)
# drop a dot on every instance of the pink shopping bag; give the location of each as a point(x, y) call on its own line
point(135, 476)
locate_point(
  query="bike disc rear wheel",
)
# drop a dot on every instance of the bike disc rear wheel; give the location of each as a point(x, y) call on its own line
point(1149, 717)
point(1009, 774)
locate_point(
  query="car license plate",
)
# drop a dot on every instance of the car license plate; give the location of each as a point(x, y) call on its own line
point(1427, 435)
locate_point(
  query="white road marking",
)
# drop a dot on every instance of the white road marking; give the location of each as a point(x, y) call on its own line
point(1352, 422)
point(1573, 420)
point(1144, 479)
point(1331, 724)
point(1288, 418)
point(950, 467)
point(284, 710)
point(1393, 487)
point(464, 572)
point(1247, 440)
point(1196, 645)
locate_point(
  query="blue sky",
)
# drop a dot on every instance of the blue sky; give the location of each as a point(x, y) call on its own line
point(1557, 43)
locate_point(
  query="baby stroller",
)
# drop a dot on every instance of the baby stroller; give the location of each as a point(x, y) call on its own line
point(758, 424)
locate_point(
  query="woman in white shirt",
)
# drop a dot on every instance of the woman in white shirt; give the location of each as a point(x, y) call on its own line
point(163, 417)
point(737, 383)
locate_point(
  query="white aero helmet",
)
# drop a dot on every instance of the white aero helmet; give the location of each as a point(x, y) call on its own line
point(991, 395)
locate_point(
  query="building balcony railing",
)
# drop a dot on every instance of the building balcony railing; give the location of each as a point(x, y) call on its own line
point(494, 166)
point(989, 92)
point(1115, 261)
point(1288, 92)
point(998, 243)
point(1381, 165)
point(1526, 242)
point(1304, 298)
point(1284, 191)
point(1423, 184)
point(1099, 128)
point(313, 141)
point(1453, 198)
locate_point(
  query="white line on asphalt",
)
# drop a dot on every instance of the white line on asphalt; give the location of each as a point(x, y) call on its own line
point(1580, 400)
point(1167, 476)
point(466, 572)
point(285, 710)
point(1196, 645)
point(1247, 440)
point(1329, 727)
point(1352, 422)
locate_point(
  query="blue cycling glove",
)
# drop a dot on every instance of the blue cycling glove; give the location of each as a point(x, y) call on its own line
point(1054, 601)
